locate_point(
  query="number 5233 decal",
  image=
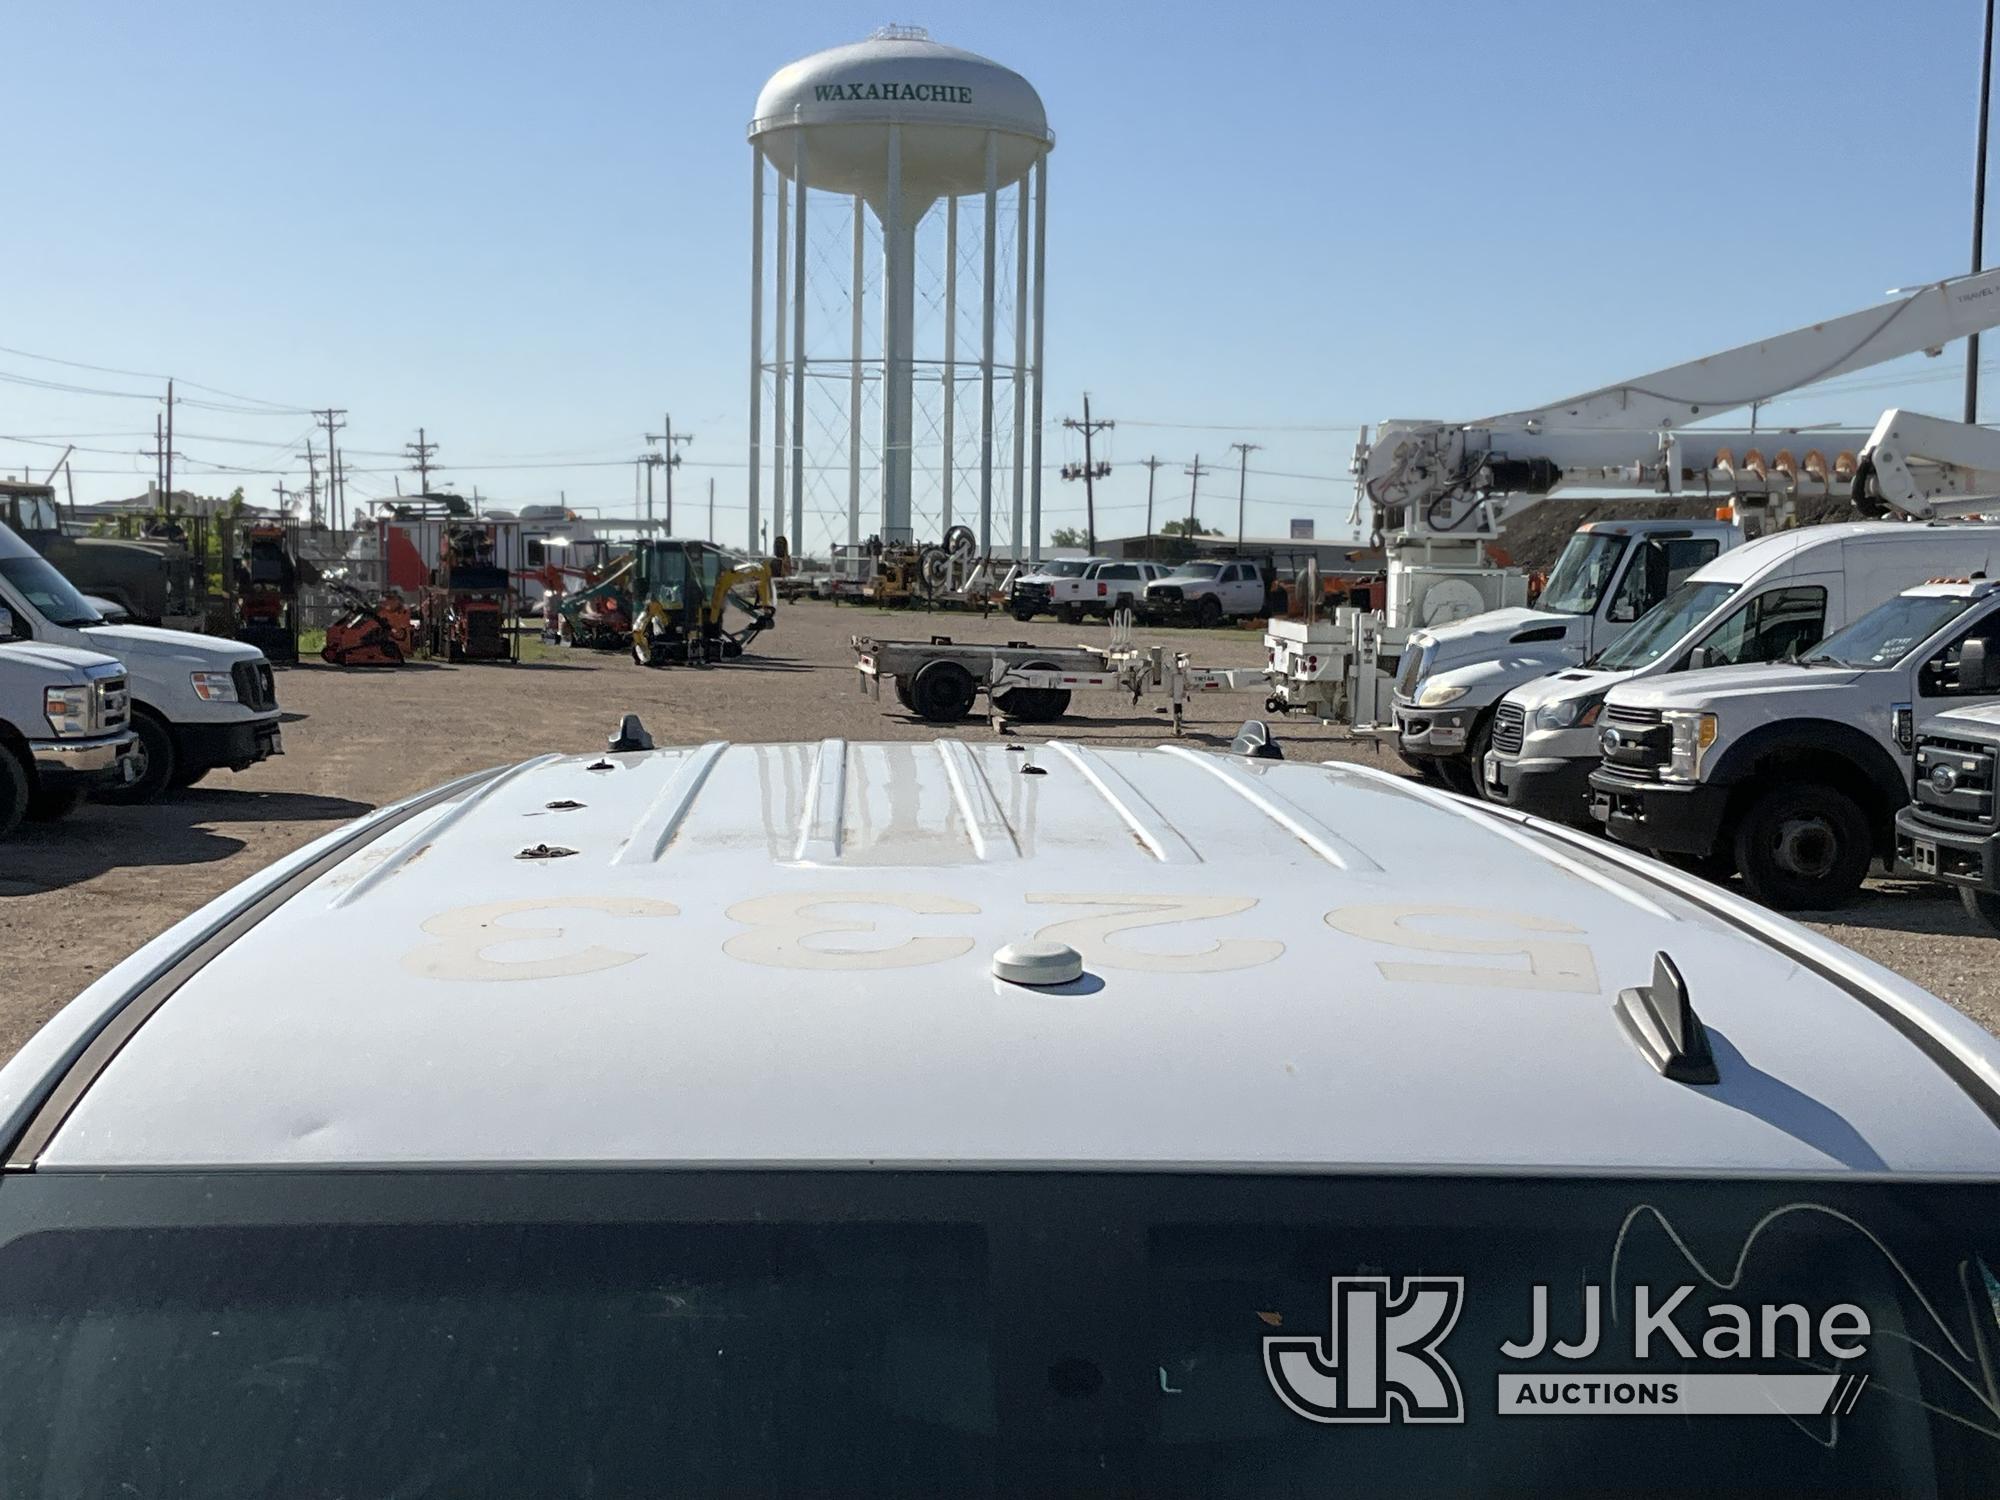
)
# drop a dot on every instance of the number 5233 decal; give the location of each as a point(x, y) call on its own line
point(848, 930)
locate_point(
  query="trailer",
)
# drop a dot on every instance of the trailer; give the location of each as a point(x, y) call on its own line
point(941, 680)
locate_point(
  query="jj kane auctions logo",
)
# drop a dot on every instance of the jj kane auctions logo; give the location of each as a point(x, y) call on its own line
point(1382, 1359)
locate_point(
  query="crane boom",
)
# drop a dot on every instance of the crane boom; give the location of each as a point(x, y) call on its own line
point(1430, 481)
point(1927, 468)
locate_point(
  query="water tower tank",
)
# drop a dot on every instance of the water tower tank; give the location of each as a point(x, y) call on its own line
point(897, 123)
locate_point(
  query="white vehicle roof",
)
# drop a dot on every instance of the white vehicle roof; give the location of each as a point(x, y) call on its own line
point(1749, 562)
point(784, 953)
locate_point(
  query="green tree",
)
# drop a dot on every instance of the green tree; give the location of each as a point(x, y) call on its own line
point(1067, 536)
point(1187, 528)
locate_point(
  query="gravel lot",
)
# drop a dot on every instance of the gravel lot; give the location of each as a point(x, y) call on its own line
point(77, 896)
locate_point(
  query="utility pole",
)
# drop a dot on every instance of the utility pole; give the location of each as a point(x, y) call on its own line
point(711, 507)
point(159, 458)
point(312, 486)
point(167, 494)
point(1152, 464)
point(1242, 474)
point(1979, 214)
point(420, 451)
point(335, 491)
point(672, 460)
point(285, 497)
point(650, 462)
point(1089, 471)
point(1194, 471)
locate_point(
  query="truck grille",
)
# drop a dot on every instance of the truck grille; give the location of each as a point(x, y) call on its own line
point(114, 703)
point(1164, 593)
point(255, 686)
point(1636, 741)
point(1955, 780)
point(1510, 723)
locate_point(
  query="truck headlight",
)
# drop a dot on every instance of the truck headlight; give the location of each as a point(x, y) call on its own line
point(213, 687)
point(1693, 734)
point(1438, 694)
point(69, 710)
point(1570, 713)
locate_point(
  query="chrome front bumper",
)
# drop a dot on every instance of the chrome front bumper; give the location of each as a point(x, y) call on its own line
point(105, 755)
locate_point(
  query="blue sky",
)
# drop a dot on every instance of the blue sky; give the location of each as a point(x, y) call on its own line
point(524, 226)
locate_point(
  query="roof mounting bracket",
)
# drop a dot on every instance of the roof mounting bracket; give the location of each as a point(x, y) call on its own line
point(1660, 1020)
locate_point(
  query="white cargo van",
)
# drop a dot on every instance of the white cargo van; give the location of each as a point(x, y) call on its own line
point(1765, 600)
point(198, 702)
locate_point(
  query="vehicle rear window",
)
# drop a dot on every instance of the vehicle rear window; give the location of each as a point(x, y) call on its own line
point(643, 1334)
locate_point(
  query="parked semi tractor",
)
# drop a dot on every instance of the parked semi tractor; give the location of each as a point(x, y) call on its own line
point(153, 582)
point(1609, 575)
point(64, 727)
point(1791, 773)
point(199, 702)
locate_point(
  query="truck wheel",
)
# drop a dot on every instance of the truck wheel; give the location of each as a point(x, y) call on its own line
point(1803, 847)
point(1981, 906)
point(1457, 775)
point(1024, 615)
point(186, 776)
point(45, 806)
point(943, 692)
point(1070, 614)
point(14, 793)
point(153, 761)
point(1208, 612)
point(1035, 705)
point(1482, 741)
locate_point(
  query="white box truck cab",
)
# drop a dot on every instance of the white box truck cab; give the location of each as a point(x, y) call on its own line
point(1769, 598)
point(1609, 575)
point(198, 702)
point(1792, 773)
point(63, 727)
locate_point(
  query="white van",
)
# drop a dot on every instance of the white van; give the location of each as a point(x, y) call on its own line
point(1760, 602)
point(198, 702)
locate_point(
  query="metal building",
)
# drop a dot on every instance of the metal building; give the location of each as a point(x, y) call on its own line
point(890, 143)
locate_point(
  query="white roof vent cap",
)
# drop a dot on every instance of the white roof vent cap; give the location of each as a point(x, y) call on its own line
point(1038, 964)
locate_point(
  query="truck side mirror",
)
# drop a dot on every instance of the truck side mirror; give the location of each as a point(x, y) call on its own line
point(6, 623)
point(1977, 672)
point(1700, 659)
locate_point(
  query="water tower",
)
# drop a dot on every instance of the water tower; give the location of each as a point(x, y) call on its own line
point(878, 150)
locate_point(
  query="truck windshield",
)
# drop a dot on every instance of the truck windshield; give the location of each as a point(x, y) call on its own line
point(1197, 570)
point(1663, 626)
point(626, 1334)
point(54, 597)
point(1588, 563)
point(1890, 631)
point(1065, 569)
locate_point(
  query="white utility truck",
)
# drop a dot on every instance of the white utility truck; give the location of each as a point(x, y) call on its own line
point(1791, 773)
point(1209, 591)
point(1951, 829)
point(1074, 588)
point(64, 728)
point(198, 702)
point(1437, 493)
point(1609, 575)
point(981, 1119)
point(1768, 599)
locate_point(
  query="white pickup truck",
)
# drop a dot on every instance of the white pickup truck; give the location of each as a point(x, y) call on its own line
point(1792, 773)
point(64, 727)
point(1071, 588)
point(198, 702)
point(1609, 575)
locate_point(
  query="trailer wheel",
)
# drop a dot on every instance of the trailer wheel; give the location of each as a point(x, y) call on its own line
point(943, 692)
point(902, 685)
point(1034, 705)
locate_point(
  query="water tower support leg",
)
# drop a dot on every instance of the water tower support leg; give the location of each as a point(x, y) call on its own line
point(1020, 363)
point(898, 310)
point(986, 353)
point(1035, 373)
point(798, 527)
point(756, 337)
point(856, 302)
point(780, 365)
point(950, 446)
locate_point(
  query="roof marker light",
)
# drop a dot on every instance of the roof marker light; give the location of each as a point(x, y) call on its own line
point(1659, 1018)
point(1038, 964)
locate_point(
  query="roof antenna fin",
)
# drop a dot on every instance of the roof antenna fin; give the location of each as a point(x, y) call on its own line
point(1659, 1018)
